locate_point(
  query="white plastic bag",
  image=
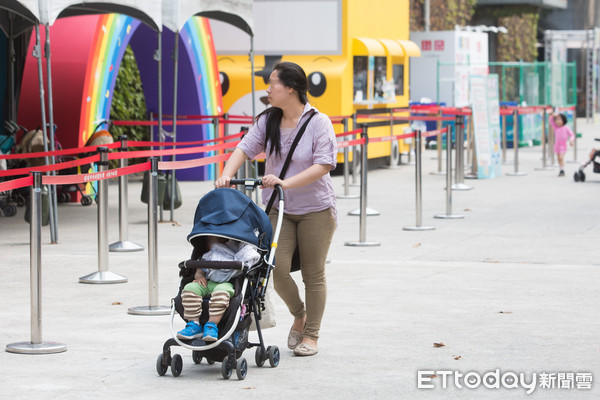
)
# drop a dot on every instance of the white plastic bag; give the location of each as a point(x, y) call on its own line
point(268, 314)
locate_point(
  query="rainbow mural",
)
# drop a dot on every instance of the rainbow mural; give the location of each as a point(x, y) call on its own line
point(113, 34)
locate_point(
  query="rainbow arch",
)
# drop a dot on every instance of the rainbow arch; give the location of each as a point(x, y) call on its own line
point(86, 56)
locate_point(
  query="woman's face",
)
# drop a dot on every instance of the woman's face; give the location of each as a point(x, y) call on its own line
point(277, 92)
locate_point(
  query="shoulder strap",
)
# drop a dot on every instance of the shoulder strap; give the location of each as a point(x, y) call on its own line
point(286, 164)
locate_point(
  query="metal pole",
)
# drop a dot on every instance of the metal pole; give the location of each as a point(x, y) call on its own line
point(153, 308)
point(217, 128)
point(459, 182)
point(354, 154)
point(544, 143)
point(52, 188)
point(346, 194)
point(449, 214)
point(504, 139)
point(175, 65)
point(103, 275)
point(37, 53)
point(363, 170)
point(36, 345)
point(418, 188)
point(124, 245)
point(161, 138)
point(516, 144)
point(362, 241)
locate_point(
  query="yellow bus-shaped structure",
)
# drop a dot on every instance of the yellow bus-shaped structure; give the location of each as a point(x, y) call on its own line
point(369, 72)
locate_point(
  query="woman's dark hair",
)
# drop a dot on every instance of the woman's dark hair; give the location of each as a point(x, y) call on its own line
point(293, 76)
point(564, 118)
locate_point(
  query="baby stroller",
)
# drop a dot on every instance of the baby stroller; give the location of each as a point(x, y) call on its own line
point(230, 214)
point(579, 176)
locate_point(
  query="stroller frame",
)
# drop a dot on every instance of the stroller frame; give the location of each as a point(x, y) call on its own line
point(233, 360)
point(579, 175)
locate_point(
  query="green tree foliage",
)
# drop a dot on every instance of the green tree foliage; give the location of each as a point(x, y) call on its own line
point(443, 14)
point(129, 104)
point(128, 101)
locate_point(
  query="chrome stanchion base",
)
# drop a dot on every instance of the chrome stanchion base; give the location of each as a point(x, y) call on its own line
point(449, 216)
point(350, 196)
point(362, 244)
point(125, 246)
point(149, 310)
point(471, 176)
point(370, 212)
point(461, 186)
point(103, 277)
point(438, 173)
point(544, 168)
point(36, 348)
point(418, 228)
point(516, 173)
point(355, 184)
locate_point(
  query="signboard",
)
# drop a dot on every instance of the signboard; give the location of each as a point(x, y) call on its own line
point(486, 124)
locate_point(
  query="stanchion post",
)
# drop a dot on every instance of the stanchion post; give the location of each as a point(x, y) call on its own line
point(216, 124)
point(449, 214)
point(362, 242)
point(551, 141)
point(346, 194)
point(354, 154)
point(504, 138)
point(124, 245)
point(418, 188)
point(363, 171)
point(544, 143)
point(459, 181)
point(36, 345)
point(575, 132)
point(516, 144)
point(153, 308)
point(103, 275)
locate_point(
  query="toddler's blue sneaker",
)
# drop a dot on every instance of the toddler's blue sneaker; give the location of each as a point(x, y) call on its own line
point(211, 332)
point(191, 331)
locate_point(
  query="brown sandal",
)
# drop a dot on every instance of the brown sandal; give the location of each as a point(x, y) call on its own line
point(305, 349)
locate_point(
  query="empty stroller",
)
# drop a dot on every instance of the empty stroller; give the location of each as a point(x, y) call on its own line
point(232, 215)
point(579, 176)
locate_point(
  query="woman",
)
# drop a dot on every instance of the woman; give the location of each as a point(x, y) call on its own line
point(310, 216)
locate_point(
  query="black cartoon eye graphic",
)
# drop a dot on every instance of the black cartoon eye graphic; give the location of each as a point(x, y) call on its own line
point(316, 84)
point(224, 82)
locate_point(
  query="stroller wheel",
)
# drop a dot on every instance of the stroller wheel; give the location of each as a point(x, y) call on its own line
point(273, 352)
point(581, 176)
point(226, 368)
point(9, 210)
point(64, 197)
point(86, 201)
point(209, 361)
point(176, 365)
point(576, 176)
point(259, 357)
point(241, 368)
point(161, 367)
point(196, 357)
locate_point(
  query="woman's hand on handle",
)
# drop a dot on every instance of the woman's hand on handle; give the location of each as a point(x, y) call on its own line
point(269, 181)
point(223, 182)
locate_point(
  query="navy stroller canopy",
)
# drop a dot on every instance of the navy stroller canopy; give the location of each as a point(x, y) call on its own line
point(230, 213)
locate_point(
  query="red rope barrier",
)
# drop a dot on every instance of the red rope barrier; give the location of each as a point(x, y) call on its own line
point(155, 123)
point(171, 152)
point(63, 152)
point(391, 138)
point(16, 183)
point(141, 143)
point(94, 176)
point(354, 132)
point(435, 133)
point(51, 167)
point(348, 143)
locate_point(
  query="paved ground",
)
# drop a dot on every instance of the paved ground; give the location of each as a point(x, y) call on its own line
point(511, 287)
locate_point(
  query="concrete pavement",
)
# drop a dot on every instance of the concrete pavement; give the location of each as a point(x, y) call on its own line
point(511, 287)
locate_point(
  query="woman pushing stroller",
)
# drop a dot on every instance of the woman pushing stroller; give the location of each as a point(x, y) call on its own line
point(310, 214)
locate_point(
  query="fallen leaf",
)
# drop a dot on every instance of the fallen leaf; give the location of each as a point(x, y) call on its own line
point(431, 376)
point(505, 312)
point(467, 209)
point(175, 223)
point(249, 387)
point(116, 303)
point(457, 357)
point(440, 344)
point(417, 245)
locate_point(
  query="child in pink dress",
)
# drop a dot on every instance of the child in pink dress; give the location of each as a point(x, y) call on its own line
point(562, 135)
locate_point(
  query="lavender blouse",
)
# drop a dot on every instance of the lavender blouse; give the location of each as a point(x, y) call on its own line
point(317, 146)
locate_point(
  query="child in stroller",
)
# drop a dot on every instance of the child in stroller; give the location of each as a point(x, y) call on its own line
point(579, 175)
point(213, 282)
point(228, 214)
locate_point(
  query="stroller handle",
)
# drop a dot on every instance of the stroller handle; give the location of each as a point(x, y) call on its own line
point(238, 265)
point(251, 183)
